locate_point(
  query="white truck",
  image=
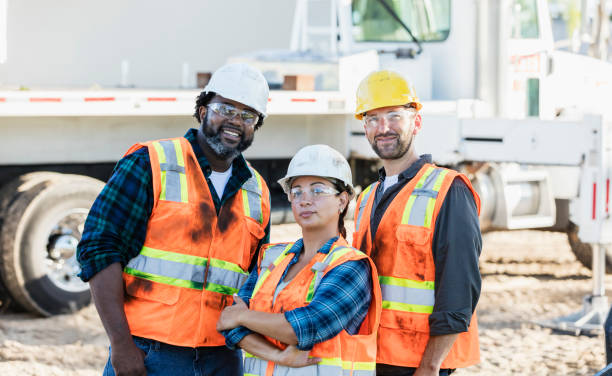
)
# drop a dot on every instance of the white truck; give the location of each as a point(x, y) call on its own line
point(529, 124)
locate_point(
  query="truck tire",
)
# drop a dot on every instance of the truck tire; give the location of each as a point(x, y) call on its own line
point(584, 252)
point(42, 220)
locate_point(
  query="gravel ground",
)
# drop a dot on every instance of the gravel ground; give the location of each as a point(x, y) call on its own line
point(527, 276)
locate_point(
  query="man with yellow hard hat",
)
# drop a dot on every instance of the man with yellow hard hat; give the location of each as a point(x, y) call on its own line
point(419, 223)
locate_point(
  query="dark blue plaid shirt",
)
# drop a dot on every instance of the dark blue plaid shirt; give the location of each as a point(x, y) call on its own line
point(116, 226)
point(340, 302)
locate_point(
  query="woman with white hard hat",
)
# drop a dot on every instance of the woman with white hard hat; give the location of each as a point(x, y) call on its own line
point(311, 307)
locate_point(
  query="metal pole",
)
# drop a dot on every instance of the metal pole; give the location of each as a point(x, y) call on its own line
point(599, 269)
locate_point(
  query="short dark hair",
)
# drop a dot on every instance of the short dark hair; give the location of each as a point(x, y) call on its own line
point(204, 99)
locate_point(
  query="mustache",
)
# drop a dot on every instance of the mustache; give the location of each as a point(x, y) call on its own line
point(231, 128)
point(388, 134)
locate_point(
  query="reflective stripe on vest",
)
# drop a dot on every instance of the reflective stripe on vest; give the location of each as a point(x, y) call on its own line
point(327, 366)
point(251, 197)
point(407, 295)
point(420, 206)
point(365, 195)
point(319, 267)
point(188, 271)
point(172, 165)
point(271, 258)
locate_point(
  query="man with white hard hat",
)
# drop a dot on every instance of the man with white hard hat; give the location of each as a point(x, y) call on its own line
point(171, 237)
point(419, 223)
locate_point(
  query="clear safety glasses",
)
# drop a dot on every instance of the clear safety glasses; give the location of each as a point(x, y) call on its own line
point(316, 192)
point(229, 112)
point(392, 117)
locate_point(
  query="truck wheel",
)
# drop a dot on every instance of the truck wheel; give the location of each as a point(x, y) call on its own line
point(43, 216)
point(584, 252)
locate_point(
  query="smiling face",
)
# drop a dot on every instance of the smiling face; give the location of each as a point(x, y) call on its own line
point(318, 211)
point(226, 137)
point(391, 130)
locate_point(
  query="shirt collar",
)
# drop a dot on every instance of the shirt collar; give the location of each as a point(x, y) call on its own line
point(298, 246)
point(411, 171)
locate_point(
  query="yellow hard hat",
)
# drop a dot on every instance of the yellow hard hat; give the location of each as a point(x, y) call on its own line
point(384, 88)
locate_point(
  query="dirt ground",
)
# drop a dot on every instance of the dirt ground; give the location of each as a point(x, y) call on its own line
point(527, 276)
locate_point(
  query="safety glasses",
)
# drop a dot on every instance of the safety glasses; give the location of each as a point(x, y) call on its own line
point(316, 192)
point(229, 112)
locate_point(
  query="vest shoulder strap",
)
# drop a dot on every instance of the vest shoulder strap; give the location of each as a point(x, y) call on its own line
point(419, 208)
point(363, 202)
point(271, 252)
point(321, 268)
point(252, 196)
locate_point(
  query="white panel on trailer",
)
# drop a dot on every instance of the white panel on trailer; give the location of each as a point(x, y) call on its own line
point(3, 27)
point(82, 43)
point(531, 141)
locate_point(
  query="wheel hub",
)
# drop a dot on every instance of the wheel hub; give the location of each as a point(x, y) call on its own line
point(62, 265)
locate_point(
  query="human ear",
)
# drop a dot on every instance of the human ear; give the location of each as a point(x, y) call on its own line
point(417, 123)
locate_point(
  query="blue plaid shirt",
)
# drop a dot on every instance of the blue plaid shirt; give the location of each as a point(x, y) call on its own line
point(340, 302)
point(116, 226)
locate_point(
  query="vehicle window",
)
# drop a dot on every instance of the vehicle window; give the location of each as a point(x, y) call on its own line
point(429, 20)
point(525, 19)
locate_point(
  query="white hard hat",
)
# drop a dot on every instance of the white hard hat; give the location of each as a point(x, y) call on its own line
point(318, 160)
point(242, 83)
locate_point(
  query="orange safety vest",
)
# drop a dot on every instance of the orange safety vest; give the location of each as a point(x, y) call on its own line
point(344, 354)
point(192, 260)
point(402, 252)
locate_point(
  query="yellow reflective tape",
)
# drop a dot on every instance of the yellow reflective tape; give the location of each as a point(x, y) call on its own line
point(259, 184)
point(248, 355)
point(330, 361)
point(260, 281)
point(227, 266)
point(416, 308)
point(337, 254)
point(162, 193)
point(439, 180)
point(402, 282)
point(184, 191)
point(173, 256)
point(408, 209)
point(310, 294)
point(364, 366)
point(258, 178)
point(163, 279)
point(245, 203)
point(266, 274)
point(179, 153)
point(423, 178)
point(160, 152)
point(431, 204)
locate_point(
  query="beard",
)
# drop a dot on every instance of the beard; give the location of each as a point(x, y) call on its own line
point(395, 151)
point(212, 138)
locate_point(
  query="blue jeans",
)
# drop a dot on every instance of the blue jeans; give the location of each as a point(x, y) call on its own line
point(162, 359)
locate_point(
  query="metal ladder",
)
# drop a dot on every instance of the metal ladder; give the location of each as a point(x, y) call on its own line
point(303, 30)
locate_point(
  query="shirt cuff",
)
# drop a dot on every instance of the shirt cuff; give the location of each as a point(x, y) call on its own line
point(234, 336)
point(305, 341)
point(441, 323)
point(90, 268)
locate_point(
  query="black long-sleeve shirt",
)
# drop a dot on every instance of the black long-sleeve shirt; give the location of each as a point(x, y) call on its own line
point(456, 247)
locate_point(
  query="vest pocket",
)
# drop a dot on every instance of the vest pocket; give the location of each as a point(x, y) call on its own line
point(414, 258)
point(416, 322)
point(148, 290)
